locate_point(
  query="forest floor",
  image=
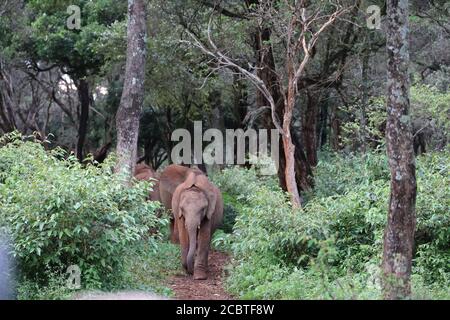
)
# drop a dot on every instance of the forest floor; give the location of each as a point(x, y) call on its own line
point(186, 288)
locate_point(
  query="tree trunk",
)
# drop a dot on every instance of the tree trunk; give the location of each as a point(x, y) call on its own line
point(289, 147)
point(217, 121)
point(168, 134)
point(335, 135)
point(101, 154)
point(128, 114)
point(83, 95)
point(323, 123)
point(7, 123)
point(303, 171)
point(399, 232)
point(266, 65)
point(309, 127)
point(239, 101)
point(364, 99)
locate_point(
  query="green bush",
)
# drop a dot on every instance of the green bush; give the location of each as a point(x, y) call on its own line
point(54, 289)
point(230, 212)
point(148, 269)
point(238, 183)
point(331, 249)
point(62, 213)
point(428, 113)
point(221, 241)
point(433, 218)
point(357, 211)
point(337, 174)
point(237, 186)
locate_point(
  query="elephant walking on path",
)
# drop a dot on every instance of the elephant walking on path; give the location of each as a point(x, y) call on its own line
point(197, 209)
point(170, 179)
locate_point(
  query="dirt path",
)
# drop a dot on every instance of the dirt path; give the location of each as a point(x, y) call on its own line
point(186, 288)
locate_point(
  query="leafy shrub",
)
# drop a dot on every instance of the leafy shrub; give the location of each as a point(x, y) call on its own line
point(148, 268)
point(337, 174)
point(221, 241)
point(429, 115)
point(55, 288)
point(352, 133)
point(433, 218)
point(429, 111)
point(236, 186)
point(331, 249)
point(230, 212)
point(62, 213)
point(357, 211)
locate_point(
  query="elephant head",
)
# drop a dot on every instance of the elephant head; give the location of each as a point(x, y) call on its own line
point(146, 173)
point(194, 205)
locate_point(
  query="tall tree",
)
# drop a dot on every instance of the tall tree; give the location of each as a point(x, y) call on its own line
point(399, 232)
point(73, 51)
point(266, 71)
point(127, 117)
point(299, 24)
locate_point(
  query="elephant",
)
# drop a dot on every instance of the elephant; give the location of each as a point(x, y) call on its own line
point(171, 177)
point(145, 172)
point(197, 207)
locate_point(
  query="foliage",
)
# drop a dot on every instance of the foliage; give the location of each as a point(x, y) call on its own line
point(347, 172)
point(328, 249)
point(429, 115)
point(148, 268)
point(433, 219)
point(221, 241)
point(238, 184)
point(229, 213)
point(266, 226)
point(75, 50)
point(55, 289)
point(62, 213)
point(373, 132)
point(331, 249)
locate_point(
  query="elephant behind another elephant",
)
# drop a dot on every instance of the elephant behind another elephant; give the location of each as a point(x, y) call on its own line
point(145, 172)
point(171, 177)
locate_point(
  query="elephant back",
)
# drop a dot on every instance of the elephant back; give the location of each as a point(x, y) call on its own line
point(145, 172)
point(171, 177)
point(213, 194)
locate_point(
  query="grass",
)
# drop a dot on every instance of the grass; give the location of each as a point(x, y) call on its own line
point(149, 269)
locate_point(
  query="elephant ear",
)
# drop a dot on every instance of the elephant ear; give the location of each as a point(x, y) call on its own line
point(188, 183)
point(203, 183)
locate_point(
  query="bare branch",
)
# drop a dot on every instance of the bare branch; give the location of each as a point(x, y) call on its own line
point(226, 62)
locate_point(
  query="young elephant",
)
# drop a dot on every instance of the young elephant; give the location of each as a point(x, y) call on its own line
point(170, 179)
point(198, 208)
